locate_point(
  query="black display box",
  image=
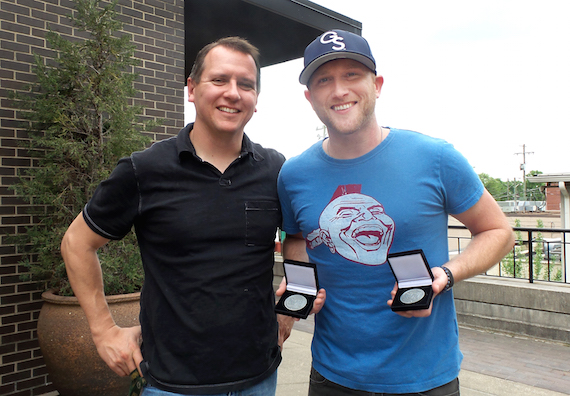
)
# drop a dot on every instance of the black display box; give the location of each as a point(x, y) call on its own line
point(302, 288)
point(414, 277)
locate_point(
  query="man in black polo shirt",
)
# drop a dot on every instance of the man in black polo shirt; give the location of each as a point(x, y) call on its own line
point(205, 210)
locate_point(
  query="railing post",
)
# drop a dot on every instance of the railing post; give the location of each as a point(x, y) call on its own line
point(564, 258)
point(515, 260)
point(530, 258)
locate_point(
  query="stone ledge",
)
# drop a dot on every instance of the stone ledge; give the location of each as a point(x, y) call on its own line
point(537, 309)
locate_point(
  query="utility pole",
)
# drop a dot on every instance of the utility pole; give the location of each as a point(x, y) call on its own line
point(515, 196)
point(523, 167)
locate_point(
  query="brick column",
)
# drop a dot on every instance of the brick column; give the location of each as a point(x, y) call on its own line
point(157, 29)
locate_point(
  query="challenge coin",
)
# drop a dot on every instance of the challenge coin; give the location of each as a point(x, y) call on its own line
point(295, 302)
point(412, 296)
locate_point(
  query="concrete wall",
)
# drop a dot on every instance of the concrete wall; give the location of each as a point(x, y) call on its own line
point(516, 306)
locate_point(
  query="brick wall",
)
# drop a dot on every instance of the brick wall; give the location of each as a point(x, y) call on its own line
point(552, 193)
point(157, 28)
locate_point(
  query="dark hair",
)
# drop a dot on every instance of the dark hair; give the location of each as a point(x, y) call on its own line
point(235, 43)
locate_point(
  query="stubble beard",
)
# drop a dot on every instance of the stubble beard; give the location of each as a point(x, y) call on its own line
point(353, 124)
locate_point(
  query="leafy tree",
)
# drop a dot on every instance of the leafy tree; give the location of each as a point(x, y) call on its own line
point(81, 121)
point(495, 186)
point(512, 189)
point(534, 192)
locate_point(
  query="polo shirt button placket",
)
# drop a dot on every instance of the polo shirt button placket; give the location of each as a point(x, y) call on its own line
point(225, 182)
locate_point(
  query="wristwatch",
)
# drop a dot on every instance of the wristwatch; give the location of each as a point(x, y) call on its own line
point(449, 279)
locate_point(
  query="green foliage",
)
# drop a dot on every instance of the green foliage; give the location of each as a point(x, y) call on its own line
point(513, 189)
point(81, 123)
point(495, 186)
point(514, 262)
point(533, 190)
point(538, 251)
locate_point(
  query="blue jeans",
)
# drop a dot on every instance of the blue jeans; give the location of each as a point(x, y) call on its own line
point(264, 388)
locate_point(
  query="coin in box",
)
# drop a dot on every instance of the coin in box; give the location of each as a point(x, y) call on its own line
point(302, 286)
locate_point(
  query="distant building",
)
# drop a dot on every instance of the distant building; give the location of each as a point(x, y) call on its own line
point(562, 200)
point(522, 206)
point(552, 192)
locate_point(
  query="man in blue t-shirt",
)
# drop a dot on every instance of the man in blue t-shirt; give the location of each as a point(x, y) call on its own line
point(364, 193)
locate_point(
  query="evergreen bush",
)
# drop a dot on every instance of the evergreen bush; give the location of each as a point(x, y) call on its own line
point(81, 120)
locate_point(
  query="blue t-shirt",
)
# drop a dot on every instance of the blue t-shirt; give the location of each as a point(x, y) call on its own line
point(352, 213)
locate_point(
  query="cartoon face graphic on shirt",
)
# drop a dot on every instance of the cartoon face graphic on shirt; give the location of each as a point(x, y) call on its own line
point(355, 226)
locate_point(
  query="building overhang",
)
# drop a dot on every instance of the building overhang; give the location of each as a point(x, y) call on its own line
point(550, 178)
point(281, 29)
point(563, 180)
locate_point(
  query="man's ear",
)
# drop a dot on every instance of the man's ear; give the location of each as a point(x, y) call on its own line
point(308, 97)
point(190, 86)
point(378, 81)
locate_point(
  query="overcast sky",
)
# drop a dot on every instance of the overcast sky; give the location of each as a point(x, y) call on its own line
point(488, 76)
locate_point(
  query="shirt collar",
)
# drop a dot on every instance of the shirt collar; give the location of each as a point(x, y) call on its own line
point(184, 144)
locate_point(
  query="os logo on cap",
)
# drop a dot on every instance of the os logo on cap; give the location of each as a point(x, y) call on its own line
point(336, 44)
point(333, 37)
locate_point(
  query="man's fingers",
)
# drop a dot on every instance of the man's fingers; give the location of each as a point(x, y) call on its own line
point(282, 288)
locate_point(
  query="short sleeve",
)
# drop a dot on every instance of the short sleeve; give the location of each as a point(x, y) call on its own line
point(112, 209)
point(462, 185)
point(289, 225)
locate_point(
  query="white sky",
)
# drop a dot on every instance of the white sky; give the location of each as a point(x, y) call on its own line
point(487, 76)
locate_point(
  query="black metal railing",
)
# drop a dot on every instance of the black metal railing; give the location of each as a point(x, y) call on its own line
point(538, 254)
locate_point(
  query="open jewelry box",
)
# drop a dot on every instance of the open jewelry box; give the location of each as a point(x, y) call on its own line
point(414, 277)
point(302, 288)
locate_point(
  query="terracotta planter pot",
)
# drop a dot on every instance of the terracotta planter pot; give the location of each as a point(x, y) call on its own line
point(72, 361)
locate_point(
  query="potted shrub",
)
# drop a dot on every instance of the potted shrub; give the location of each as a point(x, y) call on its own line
point(81, 120)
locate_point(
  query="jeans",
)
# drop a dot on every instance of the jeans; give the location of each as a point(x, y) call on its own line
point(266, 387)
point(320, 386)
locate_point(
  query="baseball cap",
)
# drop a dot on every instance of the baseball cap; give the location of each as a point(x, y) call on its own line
point(336, 44)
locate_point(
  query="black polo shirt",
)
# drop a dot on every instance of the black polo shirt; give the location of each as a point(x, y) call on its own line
point(207, 242)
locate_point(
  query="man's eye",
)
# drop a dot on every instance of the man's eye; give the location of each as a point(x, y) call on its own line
point(247, 86)
point(218, 81)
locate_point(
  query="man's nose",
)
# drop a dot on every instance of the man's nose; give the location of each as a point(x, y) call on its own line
point(232, 91)
point(340, 89)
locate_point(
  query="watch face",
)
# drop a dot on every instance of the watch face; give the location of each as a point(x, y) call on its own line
point(412, 296)
point(295, 302)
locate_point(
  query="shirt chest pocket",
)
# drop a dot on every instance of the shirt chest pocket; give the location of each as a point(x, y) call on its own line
point(262, 219)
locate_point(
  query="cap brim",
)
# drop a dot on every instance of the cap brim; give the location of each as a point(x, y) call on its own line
point(314, 65)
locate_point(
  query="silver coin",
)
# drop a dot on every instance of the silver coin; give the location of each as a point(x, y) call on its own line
point(412, 296)
point(295, 302)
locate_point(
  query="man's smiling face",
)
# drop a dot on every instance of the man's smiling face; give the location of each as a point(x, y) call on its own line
point(226, 95)
point(343, 94)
